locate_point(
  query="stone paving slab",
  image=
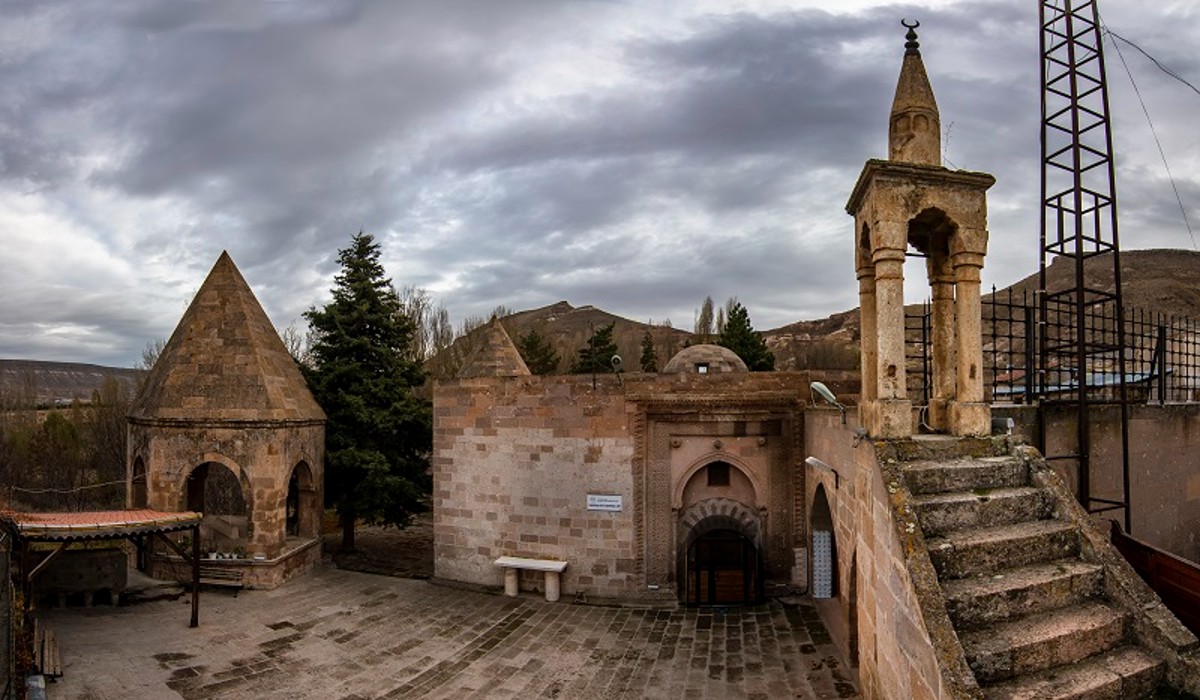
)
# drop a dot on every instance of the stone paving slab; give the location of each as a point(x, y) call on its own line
point(342, 635)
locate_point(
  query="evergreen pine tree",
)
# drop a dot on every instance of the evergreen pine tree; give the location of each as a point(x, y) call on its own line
point(649, 356)
point(740, 337)
point(596, 354)
point(539, 355)
point(379, 432)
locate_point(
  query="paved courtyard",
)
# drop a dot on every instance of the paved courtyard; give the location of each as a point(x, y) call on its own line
point(345, 635)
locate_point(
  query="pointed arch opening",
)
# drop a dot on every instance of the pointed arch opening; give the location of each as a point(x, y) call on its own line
point(214, 489)
point(852, 611)
point(138, 494)
point(302, 513)
point(929, 232)
point(720, 558)
point(723, 565)
point(824, 548)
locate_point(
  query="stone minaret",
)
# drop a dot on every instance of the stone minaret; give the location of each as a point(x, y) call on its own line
point(911, 200)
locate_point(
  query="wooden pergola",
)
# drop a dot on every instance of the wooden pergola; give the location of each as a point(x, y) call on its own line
point(66, 529)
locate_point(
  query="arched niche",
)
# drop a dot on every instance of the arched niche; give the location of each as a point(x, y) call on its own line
point(852, 611)
point(138, 493)
point(824, 547)
point(703, 480)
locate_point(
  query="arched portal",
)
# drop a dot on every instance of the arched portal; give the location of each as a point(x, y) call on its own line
point(302, 513)
point(720, 554)
point(216, 491)
point(824, 548)
point(722, 569)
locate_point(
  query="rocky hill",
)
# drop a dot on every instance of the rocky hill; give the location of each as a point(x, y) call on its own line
point(59, 383)
point(567, 328)
point(1154, 281)
point(1159, 281)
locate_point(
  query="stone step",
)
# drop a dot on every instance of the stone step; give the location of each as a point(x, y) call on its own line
point(965, 474)
point(1127, 672)
point(1027, 590)
point(1037, 642)
point(957, 510)
point(988, 550)
point(947, 447)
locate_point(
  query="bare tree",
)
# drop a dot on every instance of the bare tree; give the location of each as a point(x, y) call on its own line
point(297, 343)
point(151, 352)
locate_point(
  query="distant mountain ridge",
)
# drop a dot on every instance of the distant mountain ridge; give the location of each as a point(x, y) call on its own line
point(59, 383)
point(1165, 281)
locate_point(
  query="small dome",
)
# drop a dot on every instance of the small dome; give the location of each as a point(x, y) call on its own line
point(705, 359)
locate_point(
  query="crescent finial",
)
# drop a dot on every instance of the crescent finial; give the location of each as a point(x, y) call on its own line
point(911, 46)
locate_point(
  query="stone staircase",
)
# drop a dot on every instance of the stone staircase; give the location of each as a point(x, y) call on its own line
point(1031, 612)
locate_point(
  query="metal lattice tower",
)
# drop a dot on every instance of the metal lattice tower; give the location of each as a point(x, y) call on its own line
point(1081, 330)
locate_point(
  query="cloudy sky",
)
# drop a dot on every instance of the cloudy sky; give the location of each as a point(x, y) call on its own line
point(636, 155)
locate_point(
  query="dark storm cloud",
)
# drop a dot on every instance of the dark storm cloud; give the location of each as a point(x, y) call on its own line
point(727, 123)
point(513, 153)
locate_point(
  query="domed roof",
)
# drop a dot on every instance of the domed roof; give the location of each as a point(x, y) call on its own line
point(705, 359)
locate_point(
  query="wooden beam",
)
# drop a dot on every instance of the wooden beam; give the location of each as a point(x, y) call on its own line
point(46, 562)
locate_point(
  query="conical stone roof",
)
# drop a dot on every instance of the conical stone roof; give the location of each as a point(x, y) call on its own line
point(225, 362)
point(914, 128)
point(496, 356)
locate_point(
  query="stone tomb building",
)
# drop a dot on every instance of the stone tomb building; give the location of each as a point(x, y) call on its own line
point(226, 426)
point(680, 486)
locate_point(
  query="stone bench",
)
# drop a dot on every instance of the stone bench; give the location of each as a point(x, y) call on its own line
point(551, 567)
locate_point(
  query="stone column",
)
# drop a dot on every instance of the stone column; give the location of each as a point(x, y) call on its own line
point(941, 282)
point(969, 415)
point(867, 342)
point(893, 412)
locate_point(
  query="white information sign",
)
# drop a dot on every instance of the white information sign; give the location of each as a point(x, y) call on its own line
point(610, 503)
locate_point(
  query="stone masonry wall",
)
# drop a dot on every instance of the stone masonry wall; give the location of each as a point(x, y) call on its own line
point(262, 458)
point(514, 461)
point(1164, 480)
point(897, 658)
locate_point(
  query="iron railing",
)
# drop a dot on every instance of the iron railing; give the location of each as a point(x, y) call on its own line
point(1162, 354)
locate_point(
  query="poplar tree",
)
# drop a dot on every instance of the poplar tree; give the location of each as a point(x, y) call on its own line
point(704, 321)
point(649, 359)
point(379, 433)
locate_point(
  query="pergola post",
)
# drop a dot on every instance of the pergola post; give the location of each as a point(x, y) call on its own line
point(195, 576)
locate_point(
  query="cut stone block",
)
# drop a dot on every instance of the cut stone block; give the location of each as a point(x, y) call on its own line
point(944, 512)
point(1127, 673)
point(976, 601)
point(1038, 642)
point(988, 550)
point(966, 475)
